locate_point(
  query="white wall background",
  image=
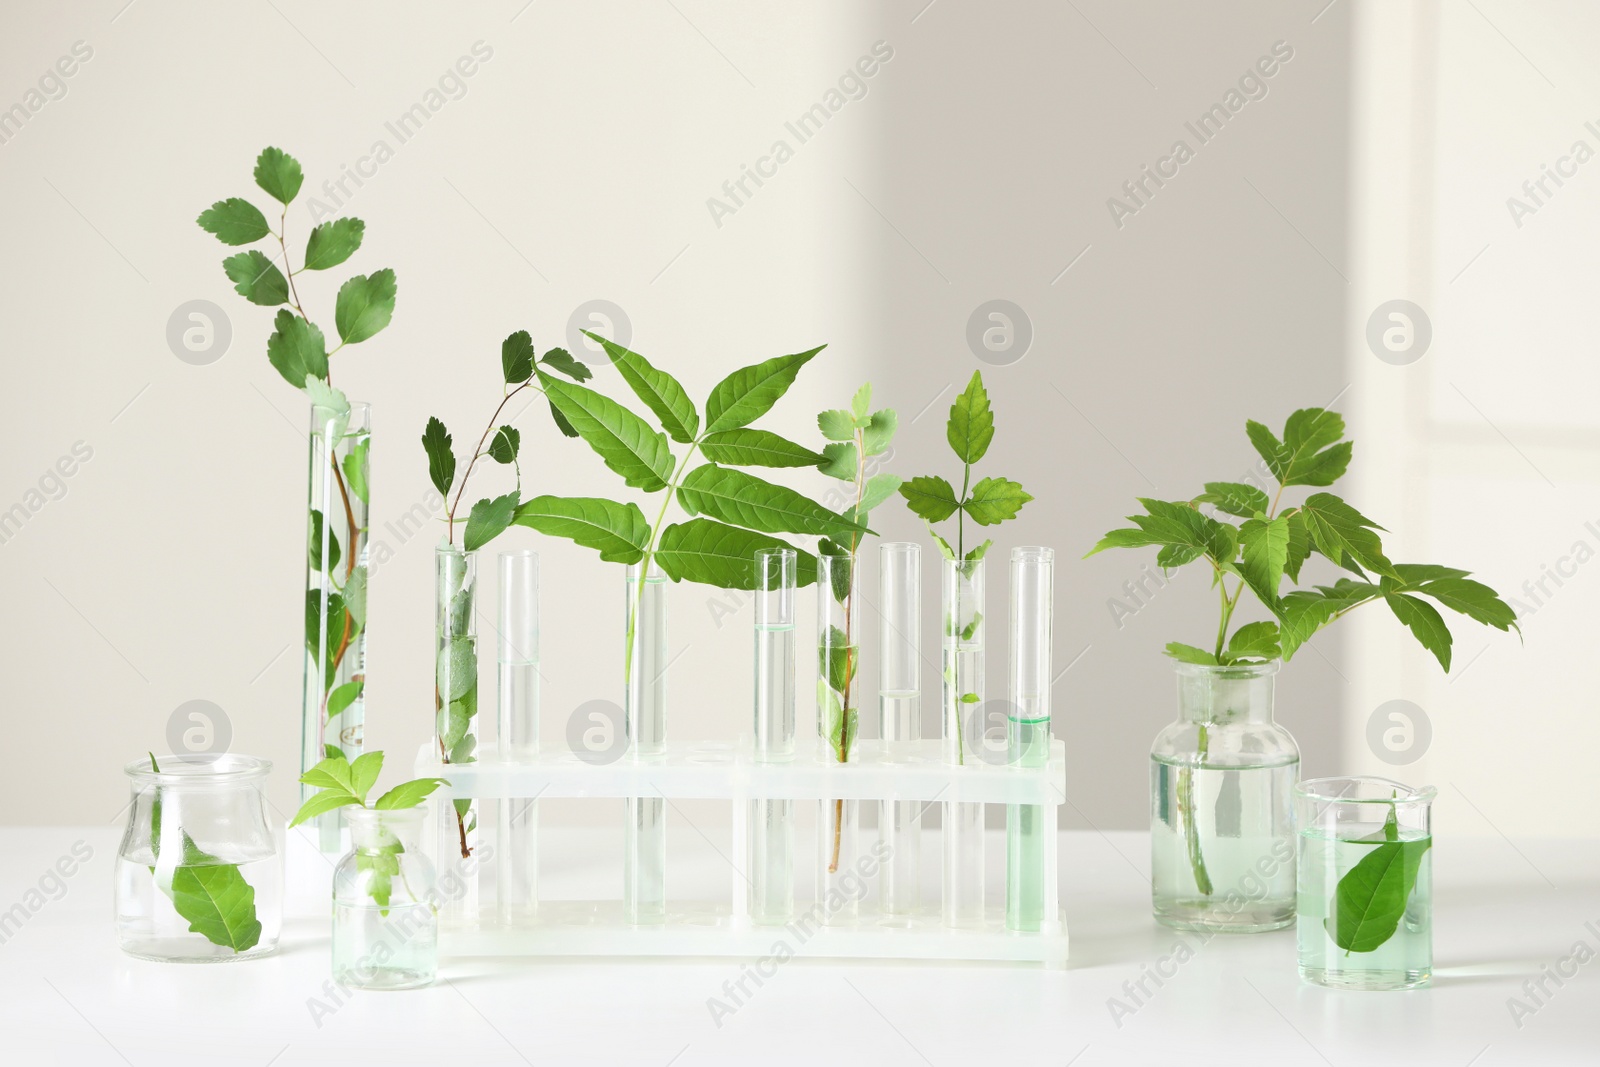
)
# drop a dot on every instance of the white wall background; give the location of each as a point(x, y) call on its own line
point(577, 165)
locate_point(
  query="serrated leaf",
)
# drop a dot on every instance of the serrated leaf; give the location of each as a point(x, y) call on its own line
point(1308, 454)
point(978, 551)
point(839, 461)
point(441, 460)
point(1265, 551)
point(456, 672)
point(488, 520)
point(712, 553)
point(971, 425)
point(1425, 622)
point(503, 448)
point(878, 488)
point(296, 349)
point(279, 174)
point(364, 770)
point(879, 432)
point(749, 392)
point(320, 804)
point(739, 498)
point(562, 362)
point(355, 468)
point(618, 532)
point(944, 546)
point(1472, 599)
point(331, 243)
point(329, 408)
point(332, 774)
point(837, 425)
point(1255, 640)
point(1343, 534)
point(234, 221)
point(756, 448)
point(409, 794)
point(257, 278)
point(1171, 557)
point(930, 497)
point(861, 403)
point(516, 358)
point(660, 391)
point(1189, 654)
point(364, 306)
point(1235, 498)
point(994, 500)
point(1299, 545)
point(623, 440)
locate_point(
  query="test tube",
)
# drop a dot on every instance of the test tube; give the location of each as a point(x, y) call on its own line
point(771, 855)
point(962, 670)
point(899, 639)
point(644, 863)
point(1028, 730)
point(518, 721)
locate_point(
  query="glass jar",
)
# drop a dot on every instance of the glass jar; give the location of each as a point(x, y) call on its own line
point(199, 871)
point(1366, 883)
point(385, 911)
point(1222, 844)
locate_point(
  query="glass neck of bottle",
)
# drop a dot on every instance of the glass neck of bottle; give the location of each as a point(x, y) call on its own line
point(1225, 696)
point(373, 832)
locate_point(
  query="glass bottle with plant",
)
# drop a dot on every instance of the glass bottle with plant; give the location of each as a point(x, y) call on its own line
point(455, 698)
point(856, 437)
point(333, 703)
point(1222, 776)
point(385, 911)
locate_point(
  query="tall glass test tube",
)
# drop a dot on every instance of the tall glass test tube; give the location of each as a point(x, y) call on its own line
point(1028, 731)
point(838, 717)
point(899, 668)
point(963, 627)
point(771, 858)
point(644, 864)
point(518, 721)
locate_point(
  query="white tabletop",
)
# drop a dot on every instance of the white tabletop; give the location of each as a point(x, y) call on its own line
point(1504, 912)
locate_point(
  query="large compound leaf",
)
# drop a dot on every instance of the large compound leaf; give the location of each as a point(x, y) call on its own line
point(618, 532)
point(622, 439)
point(711, 553)
point(659, 390)
point(739, 498)
point(749, 392)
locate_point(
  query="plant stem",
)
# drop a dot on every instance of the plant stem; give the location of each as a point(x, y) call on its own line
point(477, 454)
point(856, 537)
point(1186, 810)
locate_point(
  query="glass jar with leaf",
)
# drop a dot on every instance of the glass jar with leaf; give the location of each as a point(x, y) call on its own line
point(385, 911)
point(333, 704)
point(969, 432)
point(1222, 776)
point(731, 515)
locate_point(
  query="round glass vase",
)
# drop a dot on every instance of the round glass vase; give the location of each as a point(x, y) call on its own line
point(385, 914)
point(1222, 842)
point(199, 871)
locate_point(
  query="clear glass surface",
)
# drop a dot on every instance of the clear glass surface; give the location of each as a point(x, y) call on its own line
point(455, 698)
point(385, 907)
point(899, 673)
point(644, 893)
point(1028, 730)
point(517, 822)
point(962, 637)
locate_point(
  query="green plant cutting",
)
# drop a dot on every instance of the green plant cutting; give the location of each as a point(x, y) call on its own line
point(855, 437)
point(342, 783)
point(1370, 900)
point(969, 431)
point(1274, 540)
point(297, 348)
point(212, 895)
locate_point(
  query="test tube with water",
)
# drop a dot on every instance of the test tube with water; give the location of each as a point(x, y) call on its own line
point(1028, 730)
point(771, 856)
point(961, 665)
point(644, 861)
point(518, 721)
point(899, 637)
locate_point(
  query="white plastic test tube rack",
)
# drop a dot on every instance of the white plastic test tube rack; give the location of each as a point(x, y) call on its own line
point(882, 771)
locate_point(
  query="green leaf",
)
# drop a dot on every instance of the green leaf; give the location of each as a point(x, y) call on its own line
point(618, 532)
point(278, 173)
point(322, 803)
point(561, 361)
point(879, 432)
point(1176, 524)
point(659, 390)
point(315, 544)
point(441, 461)
point(488, 520)
point(1189, 654)
point(739, 498)
point(503, 448)
point(839, 567)
point(561, 422)
point(944, 546)
point(364, 306)
point(971, 425)
point(1308, 454)
point(1171, 557)
point(1234, 498)
point(1472, 599)
point(1344, 535)
point(1265, 552)
point(456, 673)
point(335, 611)
point(931, 498)
point(978, 552)
point(516, 358)
point(329, 408)
point(257, 278)
point(364, 773)
point(756, 448)
point(711, 553)
point(623, 440)
point(355, 468)
point(749, 393)
point(837, 659)
point(409, 794)
point(839, 461)
point(878, 488)
point(1423, 620)
point(860, 403)
point(1370, 900)
point(331, 243)
point(296, 349)
point(452, 723)
point(332, 774)
point(329, 750)
point(343, 696)
point(837, 425)
point(994, 500)
point(218, 903)
point(1299, 545)
point(234, 221)
point(355, 597)
point(1254, 640)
